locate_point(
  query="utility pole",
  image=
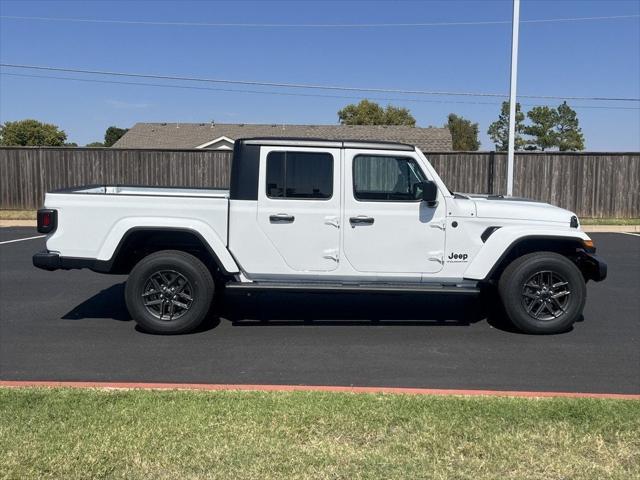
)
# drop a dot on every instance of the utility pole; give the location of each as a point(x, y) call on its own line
point(512, 94)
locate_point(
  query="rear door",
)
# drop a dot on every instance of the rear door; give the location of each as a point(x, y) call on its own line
point(387, 228)
point(299, 205)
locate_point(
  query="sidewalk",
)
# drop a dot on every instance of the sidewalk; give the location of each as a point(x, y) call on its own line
point(17, 223)
point(612, 228)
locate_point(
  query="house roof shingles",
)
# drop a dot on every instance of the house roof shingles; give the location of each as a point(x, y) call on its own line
point(191, 135)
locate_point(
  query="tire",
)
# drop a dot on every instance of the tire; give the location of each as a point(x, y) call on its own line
point(523, 293)
point(163, 310)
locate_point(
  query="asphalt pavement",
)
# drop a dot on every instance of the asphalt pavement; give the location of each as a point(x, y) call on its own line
point(73, 325)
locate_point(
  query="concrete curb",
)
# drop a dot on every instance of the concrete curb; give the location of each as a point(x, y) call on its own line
point(309, 388)
point(586, 228)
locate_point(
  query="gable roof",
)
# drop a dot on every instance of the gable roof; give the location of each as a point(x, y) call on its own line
point(193, 135)
point(221, 139)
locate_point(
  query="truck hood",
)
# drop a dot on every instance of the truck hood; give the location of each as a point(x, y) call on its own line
point(514, 208)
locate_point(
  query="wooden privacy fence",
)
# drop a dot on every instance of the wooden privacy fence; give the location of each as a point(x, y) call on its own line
point(592, 184)
point(27, 173)
point(599, 185)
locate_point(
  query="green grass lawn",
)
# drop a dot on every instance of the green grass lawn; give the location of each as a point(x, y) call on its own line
point(610, 221)
point(67, 433)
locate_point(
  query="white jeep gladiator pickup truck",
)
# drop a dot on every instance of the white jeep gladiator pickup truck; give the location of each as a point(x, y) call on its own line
point(312, 215)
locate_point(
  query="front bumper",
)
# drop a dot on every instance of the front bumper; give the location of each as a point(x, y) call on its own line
point(592, 266)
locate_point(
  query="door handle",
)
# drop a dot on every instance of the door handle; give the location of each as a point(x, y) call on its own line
point(282, 218)
point(361, 220)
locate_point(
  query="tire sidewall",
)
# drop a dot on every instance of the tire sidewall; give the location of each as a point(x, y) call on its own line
point(188, 266)
point(512, 282)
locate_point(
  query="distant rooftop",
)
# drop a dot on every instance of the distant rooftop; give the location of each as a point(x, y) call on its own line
point(220, 136)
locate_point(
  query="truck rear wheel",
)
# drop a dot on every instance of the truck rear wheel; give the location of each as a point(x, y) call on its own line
point(169, 292)
point(542, 293)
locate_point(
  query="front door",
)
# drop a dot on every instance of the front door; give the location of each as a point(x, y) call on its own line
point(387, 228)
point(299, 206)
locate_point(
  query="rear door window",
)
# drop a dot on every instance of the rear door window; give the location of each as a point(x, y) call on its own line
point(299, 175)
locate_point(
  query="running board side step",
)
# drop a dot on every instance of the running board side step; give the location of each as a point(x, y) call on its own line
point(353, 287)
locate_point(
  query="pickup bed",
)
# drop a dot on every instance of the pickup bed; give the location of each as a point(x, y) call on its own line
point(310, 215)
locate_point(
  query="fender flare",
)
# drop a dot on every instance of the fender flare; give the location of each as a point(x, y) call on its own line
point(500, 244)
point(123, 230)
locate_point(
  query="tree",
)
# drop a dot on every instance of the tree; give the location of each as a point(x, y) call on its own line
point(398, 116)
point(499, 130)
point(569, 133)
point(31, 133)
point(464, 134)
point(543, 123)
point(94, 145)
point(554, 127)
point(370, 113)
point(113, 134)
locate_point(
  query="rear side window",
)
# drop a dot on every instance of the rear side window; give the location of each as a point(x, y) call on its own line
point(299, 175)
point(391, 179)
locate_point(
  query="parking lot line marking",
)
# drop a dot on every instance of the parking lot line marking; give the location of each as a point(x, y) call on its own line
point(21, 239)
point(310, 388)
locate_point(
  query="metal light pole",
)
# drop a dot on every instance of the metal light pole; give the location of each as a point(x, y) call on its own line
point(512, 94)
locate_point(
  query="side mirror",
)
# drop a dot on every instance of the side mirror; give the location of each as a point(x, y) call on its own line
point(430, 193)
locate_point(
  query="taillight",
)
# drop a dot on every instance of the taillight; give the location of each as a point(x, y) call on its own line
point(47, 220)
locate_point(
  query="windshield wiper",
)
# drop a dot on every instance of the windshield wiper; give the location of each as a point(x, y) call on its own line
point(459, 195)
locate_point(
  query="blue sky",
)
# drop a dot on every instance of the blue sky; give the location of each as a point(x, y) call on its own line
point(587, 58)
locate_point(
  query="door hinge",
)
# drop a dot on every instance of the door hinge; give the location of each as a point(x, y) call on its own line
point(332, 220)
point(331, 254)
point(442, 224)
point(437, 256)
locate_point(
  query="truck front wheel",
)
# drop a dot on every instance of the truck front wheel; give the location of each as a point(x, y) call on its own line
point(542, 293)
point(169, 292)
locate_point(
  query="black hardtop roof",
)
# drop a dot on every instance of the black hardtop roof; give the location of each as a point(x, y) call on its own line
point(324, 142)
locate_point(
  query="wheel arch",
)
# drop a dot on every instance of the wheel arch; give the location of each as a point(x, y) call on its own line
point(488, 269)
point(138, 242)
